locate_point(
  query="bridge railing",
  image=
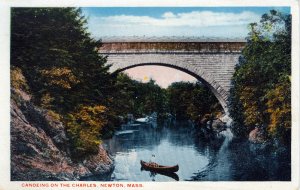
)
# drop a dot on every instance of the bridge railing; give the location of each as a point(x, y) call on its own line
point(171, 47)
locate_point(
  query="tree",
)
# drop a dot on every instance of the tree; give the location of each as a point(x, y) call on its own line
point(84, 127)
point(137, 98)
point(265, 61)
point(279, 109)
point(191, 100)
point(58, 57)
point(64, 71)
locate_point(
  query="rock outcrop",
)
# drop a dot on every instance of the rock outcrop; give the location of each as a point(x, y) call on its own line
point(99, 164)
point(257, 135)
point(39, 146)
point(218, 126)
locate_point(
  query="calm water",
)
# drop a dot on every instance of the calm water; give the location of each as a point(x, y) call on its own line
point(224, 159)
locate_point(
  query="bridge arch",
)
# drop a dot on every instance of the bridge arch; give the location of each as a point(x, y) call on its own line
point(200, 75)
point(211, 61)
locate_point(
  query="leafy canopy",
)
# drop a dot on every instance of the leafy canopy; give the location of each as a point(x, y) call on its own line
point(261, 86)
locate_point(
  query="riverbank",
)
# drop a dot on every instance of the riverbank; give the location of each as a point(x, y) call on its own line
point(39, 146)
point(264, 158)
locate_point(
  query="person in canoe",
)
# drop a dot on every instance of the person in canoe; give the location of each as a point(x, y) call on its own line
point(151, 161)
point(155, 168)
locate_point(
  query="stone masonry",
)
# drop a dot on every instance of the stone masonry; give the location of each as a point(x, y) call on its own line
point(211, 62)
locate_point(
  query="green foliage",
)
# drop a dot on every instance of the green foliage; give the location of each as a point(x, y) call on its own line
point(64, 71)
point(138, 98)
point(58, 57)
point(279, 109)
point(183, 99)
point(84, 126)
point(150, 98)
point(18, 81)
point(191, 100)
point(265, 60)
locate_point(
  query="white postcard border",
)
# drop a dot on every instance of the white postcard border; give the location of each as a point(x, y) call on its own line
point(5, 6)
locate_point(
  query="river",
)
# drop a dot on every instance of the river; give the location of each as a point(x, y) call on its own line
point(223, 159)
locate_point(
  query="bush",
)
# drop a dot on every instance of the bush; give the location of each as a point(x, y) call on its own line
point(83, 128)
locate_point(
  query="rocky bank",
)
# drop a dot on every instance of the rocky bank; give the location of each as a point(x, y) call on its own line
point(39, 147)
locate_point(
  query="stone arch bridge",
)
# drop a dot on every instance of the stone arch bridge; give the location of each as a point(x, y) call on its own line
point(211, 61)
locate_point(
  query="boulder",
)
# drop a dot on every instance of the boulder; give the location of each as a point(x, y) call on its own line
point(100, 163)
point(257, 135)
point(218, 125)
point(226, 119)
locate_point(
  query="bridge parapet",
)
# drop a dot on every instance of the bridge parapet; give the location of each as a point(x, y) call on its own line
point(171, 47)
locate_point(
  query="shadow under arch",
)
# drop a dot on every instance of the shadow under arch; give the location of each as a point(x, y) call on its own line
point(216, 89)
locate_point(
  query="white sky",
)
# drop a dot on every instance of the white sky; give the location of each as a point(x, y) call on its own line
point(163, 76)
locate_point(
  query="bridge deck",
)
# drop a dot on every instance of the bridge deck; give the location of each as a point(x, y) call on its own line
point(136, 47)
point(109, 39)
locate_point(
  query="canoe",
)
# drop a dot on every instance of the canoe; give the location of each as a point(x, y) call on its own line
point(168, 174)
point(125, 132)
point(143, 120)
point(159, 168)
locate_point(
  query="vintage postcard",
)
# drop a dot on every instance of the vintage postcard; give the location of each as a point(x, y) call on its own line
point(149, 95)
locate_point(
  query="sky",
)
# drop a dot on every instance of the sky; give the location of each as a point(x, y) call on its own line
point(206, 22)
point(227, 22)
point(163, 76)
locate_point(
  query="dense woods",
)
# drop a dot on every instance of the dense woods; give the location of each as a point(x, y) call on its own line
point(192, 101)
point(138, 98)
point(183, 100)
point(261, 93)
point(65, 74)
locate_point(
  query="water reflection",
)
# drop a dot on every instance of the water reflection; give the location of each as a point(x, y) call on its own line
point(170, 145)
point(223, 159)
point(168, 174)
